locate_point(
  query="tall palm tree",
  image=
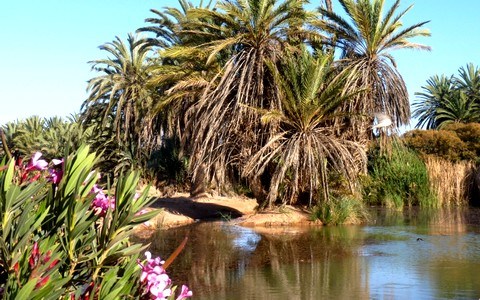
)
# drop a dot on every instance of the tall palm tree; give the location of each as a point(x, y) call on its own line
point(366, 39)
point(120, 94)
point(180, 73)
point(251, 34)
point(305, 147)
point(437, 91)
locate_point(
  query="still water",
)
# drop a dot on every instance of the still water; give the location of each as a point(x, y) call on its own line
point(399, 255)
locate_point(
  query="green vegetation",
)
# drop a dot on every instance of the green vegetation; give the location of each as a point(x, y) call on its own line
point(447, 100)
point(57, 242)
point(270, 98)
point(397, 179)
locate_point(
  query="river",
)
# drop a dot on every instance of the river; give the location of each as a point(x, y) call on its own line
point(414, 254)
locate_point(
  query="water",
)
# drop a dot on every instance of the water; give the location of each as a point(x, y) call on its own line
point(410, 255)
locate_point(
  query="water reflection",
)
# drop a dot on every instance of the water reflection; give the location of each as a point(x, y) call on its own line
point(407, 255)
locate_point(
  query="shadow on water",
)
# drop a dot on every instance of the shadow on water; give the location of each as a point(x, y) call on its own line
point(402, 255)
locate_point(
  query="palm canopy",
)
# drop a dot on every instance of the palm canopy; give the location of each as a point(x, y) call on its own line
point(457, 109)
point(180, 73)
point(305, 147)
point(438, 90)
point(445, 100)
point(247, 35)
point(366, 39)
point(121, 92)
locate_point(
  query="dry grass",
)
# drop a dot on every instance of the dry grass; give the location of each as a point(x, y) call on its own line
point(450, 182)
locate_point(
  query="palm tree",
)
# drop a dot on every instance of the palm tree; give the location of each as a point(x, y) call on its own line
point(305, 148)
point(437, 91)
point(366, 39)
point(250, 34)
point(180, 73)
point(447, 100)
point(469, 82)
point(120, 94)
point(457, 109)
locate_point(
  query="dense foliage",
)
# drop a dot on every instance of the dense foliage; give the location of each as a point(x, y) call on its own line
point(455, 142)
point(62, 236)
point(397, 179)
point(233, 83)
point(445, 100)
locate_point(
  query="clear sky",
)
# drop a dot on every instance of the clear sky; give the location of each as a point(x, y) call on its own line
point(46, 46)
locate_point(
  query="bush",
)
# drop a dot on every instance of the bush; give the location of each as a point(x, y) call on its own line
point(397, 179)
point(64, 237)
point(456, 142)
point(469, 134)
point(340, 210)
point(441, 143)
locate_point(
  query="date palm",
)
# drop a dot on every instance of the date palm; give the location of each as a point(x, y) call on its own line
point(437, 91)
point(250, 34)
point(120, 93)
point(366, 37)
point(305, 148)
point(180, 73)
point(469, 82)
point(458, 109)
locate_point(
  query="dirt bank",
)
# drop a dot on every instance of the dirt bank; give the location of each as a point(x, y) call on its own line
point(180, 209)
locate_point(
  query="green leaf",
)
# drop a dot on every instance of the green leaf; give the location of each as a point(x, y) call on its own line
point(26, 290)
point(145, 217)
point(8, 175)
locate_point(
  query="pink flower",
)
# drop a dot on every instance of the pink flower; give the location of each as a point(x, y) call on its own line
point(160, 286)
point(34, 257)
point(185, 293)
point(155, 278)
point(55, 176)
point(36, 163)
point(101, 203)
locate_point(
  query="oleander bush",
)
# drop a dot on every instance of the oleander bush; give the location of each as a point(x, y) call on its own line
point(63, 236)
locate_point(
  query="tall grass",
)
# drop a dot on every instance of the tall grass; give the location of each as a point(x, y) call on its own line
point(397, 178)
point(451, 182)
point(340, 210)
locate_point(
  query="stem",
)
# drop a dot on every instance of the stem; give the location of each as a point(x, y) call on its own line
point(4, 144)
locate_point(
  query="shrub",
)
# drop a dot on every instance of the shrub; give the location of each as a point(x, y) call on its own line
point(455, 142)
point(340, 210)
point(64, 237)
point(441, 143)
point(469, 134)
point(397, 179)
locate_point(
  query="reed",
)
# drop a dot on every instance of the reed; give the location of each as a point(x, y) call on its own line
point(397, 179)
point(451, 182)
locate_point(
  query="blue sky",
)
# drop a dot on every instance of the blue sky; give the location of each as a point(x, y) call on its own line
point(46, 46)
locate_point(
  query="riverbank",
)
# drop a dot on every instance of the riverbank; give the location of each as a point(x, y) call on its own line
point(180, 209)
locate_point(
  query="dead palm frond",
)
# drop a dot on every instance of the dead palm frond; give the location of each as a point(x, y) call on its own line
point(305, 148)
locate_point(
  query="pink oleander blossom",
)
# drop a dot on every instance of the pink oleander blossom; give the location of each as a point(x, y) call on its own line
point(36, 163)
point(56, 173)
point(101, 203)
point(154, 277)
point(185, 293)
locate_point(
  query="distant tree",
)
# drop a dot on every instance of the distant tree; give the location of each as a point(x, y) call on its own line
point(446, 100)
point(438, 90)
point(120, 100)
